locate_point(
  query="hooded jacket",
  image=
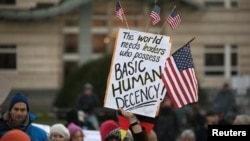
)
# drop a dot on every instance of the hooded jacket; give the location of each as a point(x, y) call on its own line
point(35, 133)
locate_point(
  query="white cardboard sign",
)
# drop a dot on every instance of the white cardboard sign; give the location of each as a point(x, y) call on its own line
point(134, 81)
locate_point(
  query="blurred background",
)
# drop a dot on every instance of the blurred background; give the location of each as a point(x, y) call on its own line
point(50, 48)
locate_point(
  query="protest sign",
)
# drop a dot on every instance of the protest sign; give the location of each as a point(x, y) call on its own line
point(134, 81)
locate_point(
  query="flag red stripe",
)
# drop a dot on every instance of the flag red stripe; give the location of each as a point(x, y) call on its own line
point(187, 86)
point(195, 84)
point(172, 84)
point(178, 78)
point(186, 78)
point(192, 85)
point(170, 96)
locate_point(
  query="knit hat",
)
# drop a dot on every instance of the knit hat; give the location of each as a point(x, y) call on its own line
point(116, 135)
point(88, 86)
point(60, 129)
point(106, 127)
point(15, 135)
point(18, 97)
point(72, 127)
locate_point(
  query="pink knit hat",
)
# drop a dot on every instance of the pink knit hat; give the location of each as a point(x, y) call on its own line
point(73, 128)
point(15, 135)
point(106, 127)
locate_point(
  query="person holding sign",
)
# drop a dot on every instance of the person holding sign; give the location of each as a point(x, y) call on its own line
point(135, 133)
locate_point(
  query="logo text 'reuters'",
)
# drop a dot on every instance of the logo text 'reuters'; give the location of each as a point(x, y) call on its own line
point(232, 133)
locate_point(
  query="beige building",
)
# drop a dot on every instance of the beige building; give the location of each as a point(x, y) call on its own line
point(41, 41)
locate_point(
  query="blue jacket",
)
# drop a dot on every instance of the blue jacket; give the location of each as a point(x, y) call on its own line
point(35, 133)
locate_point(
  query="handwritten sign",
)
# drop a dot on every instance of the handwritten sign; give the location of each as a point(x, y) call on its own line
point(134, 81)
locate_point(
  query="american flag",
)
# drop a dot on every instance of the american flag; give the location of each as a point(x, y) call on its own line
point(179, 78)
point(174, 19)
point(155, 14)
point(119, 11)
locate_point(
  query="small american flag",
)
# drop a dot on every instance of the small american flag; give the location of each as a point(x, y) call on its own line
point(155, 14)
point(174, 19)
point(179, 78)
point(119, 11)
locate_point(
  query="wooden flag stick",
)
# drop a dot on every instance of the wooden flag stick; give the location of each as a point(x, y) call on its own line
point(123, 15)
point(147, 25)
point(191, 40)
point(165, 23)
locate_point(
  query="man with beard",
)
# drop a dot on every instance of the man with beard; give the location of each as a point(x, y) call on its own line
point(19, 117)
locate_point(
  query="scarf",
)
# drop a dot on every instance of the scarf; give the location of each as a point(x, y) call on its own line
point(15, 125)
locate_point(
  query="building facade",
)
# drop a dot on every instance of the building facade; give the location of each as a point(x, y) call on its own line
point(43, 41)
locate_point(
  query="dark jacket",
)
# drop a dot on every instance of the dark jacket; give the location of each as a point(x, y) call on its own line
point(87, 103)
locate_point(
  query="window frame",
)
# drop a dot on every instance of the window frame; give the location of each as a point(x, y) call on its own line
point(227, 69)
point(8, 49)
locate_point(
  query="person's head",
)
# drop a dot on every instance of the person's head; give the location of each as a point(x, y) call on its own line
point(115, 135)
point(18, 108)
point(76, 132)
point(166, 102)
point(15, 135)
point(242, 119)
point(211, 117)
point(187, 135)
point(58, 132)
point(87, 88)
point(106, 127)
point(75, 116)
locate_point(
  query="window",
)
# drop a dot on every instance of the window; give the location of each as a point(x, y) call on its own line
point(8, 57)
point(8, 2)
point(221, 60)
point(221, 3)
point(71, 43)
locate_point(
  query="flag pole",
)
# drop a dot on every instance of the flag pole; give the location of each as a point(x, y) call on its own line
point(165, 21)
point(148, 22)
point(191, 40)
point(147, 25)
point(125, 19)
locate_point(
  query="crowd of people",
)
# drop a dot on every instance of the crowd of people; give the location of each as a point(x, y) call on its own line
point(16, 122)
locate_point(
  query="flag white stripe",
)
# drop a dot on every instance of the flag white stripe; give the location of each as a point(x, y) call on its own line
point(176, 85)
point(185, 85)
point(170, 86)
point(189, 83)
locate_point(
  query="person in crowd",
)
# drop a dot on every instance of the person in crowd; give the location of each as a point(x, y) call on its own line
point(76, 132)
point(88, 101)
point(187, 135)
point(222, 120)
point(225, 101)
point(242, 119)
point(19, 117)
point(106, 127)
point(15, 135)
point(167, 124)
point(211, 118)
point(195, 116)
point(135, 133)
point(77, 117)
point(58, 132)
point(152, 136)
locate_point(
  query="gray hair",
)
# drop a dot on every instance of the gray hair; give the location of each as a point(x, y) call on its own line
point(242, 119)
point(188, 133)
